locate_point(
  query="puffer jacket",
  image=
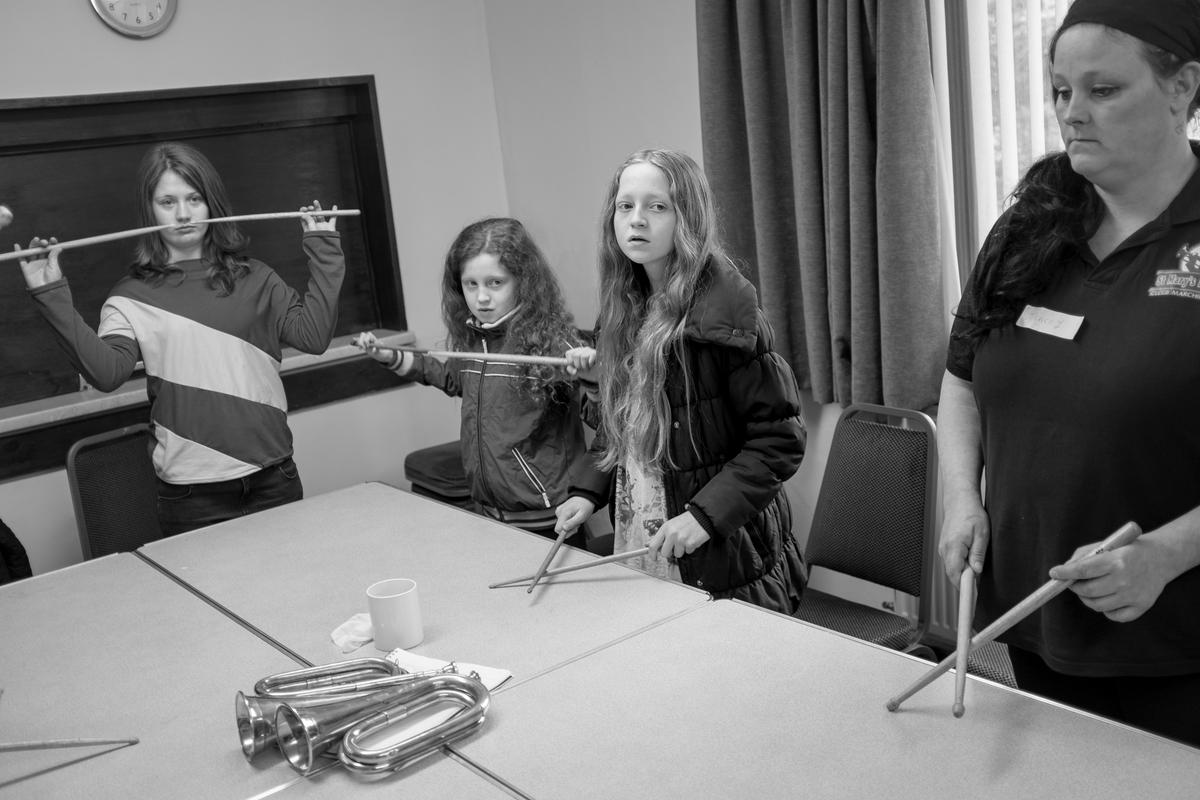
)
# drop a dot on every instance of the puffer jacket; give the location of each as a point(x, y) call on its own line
point(518, 447)
point(735, 438)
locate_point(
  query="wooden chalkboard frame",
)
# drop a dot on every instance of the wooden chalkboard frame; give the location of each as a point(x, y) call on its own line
point(68, 168)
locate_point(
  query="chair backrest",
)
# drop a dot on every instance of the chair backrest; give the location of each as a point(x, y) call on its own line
point(114, 490)
point(874, 518)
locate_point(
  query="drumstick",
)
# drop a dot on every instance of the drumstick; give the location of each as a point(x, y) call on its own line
point(537, 576)
point(966, 609)
point(112, 237)
point(560, 570)
point(49, 744)
point(1048, 591)
point(498, 358)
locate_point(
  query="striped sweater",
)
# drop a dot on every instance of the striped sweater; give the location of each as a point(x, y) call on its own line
point(212, 363)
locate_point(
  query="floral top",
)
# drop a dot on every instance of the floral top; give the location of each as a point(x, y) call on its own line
point(641, 509)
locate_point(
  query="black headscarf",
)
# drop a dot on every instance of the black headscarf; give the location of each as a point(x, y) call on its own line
point(1173, 25)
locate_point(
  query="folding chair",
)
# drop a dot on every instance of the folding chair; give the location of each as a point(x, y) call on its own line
point(874, 521)
point(114, 490)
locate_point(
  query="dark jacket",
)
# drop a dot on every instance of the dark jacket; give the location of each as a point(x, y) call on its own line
point(735, 438)
point(518, 447)
point(14, 561)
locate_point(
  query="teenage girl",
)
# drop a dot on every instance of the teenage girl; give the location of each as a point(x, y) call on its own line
point(521, 432)
point(699, 417)
point(209, 324)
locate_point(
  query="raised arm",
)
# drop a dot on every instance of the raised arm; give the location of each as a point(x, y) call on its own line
point(104, 363)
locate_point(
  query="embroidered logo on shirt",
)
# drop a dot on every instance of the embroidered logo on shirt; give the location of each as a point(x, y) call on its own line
point(1182, 282)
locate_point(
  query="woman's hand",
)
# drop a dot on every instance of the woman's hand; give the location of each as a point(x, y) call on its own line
point(1121, 584)
point(40, 270)
point(964, 539)
point(678, 536)
point(583, 364)
point(313, 220)
point(571, 513)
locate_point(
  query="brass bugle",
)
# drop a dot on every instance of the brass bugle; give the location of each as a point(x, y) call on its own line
point(310, 687)
point(307, 733)
point(300, 682)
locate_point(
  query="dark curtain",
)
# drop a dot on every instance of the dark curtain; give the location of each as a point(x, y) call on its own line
point(819, 133)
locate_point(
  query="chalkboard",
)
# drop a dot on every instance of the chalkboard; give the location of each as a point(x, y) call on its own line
point(68, 168)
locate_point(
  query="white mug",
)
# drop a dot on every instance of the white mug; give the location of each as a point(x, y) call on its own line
point(395, 613)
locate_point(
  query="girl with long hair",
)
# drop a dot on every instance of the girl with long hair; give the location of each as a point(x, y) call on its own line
point(699, 418)
point(209, 323)
point(521, 431)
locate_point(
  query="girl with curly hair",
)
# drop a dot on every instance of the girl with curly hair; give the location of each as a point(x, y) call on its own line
point(521, 430)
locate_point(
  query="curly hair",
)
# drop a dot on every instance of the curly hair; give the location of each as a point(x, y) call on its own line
point(223, 241)
point(638, 327)
point(541, 323)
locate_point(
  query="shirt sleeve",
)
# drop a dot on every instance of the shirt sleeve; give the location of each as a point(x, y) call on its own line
point(308, 325)
point(104, 362)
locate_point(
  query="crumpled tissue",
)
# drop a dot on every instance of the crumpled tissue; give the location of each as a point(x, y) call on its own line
point(353, 633)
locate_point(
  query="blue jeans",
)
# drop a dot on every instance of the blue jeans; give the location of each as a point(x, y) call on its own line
point(185, 506)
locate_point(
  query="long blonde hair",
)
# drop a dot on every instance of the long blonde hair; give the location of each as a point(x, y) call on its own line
point(639, 327)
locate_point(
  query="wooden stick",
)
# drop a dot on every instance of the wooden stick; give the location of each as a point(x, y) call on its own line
point(966, 610)
point(129, 234)
point(537, 576)
point(498, 358)
point(1048, 591)
point(50, 744)
point(561, 570)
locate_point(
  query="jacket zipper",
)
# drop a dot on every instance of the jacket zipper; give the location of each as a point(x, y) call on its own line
point(479, 428)
point(532, 476)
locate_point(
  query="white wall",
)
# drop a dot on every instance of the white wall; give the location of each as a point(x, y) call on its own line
point(521, 107)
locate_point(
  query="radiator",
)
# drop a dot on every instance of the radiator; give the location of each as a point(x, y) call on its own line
point(943, 613)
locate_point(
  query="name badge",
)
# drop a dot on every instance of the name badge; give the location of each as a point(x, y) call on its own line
point(1047, 320)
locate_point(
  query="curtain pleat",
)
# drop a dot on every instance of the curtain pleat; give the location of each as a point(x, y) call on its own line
point(818, 130)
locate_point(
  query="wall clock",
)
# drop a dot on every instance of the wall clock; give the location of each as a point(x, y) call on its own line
point(137, 18)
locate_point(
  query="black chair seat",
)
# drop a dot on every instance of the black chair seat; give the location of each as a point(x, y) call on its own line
point(858, 620)
point(991, 661)
point(437, 472)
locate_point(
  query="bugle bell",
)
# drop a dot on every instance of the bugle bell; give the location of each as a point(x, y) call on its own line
point(311, 687)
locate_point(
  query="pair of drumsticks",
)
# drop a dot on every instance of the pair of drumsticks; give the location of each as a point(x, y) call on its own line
point(966, 643)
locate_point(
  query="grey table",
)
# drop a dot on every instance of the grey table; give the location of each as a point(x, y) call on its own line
point(729, 700)
point(114, 648)
point(297, 572)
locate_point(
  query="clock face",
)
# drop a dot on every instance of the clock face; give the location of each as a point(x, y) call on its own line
point(140, 18)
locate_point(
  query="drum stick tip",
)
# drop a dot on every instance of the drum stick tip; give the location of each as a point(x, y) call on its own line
point(893, 705)
point(959, 709)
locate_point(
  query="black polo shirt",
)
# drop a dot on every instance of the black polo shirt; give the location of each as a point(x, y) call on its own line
point(1085, 433)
